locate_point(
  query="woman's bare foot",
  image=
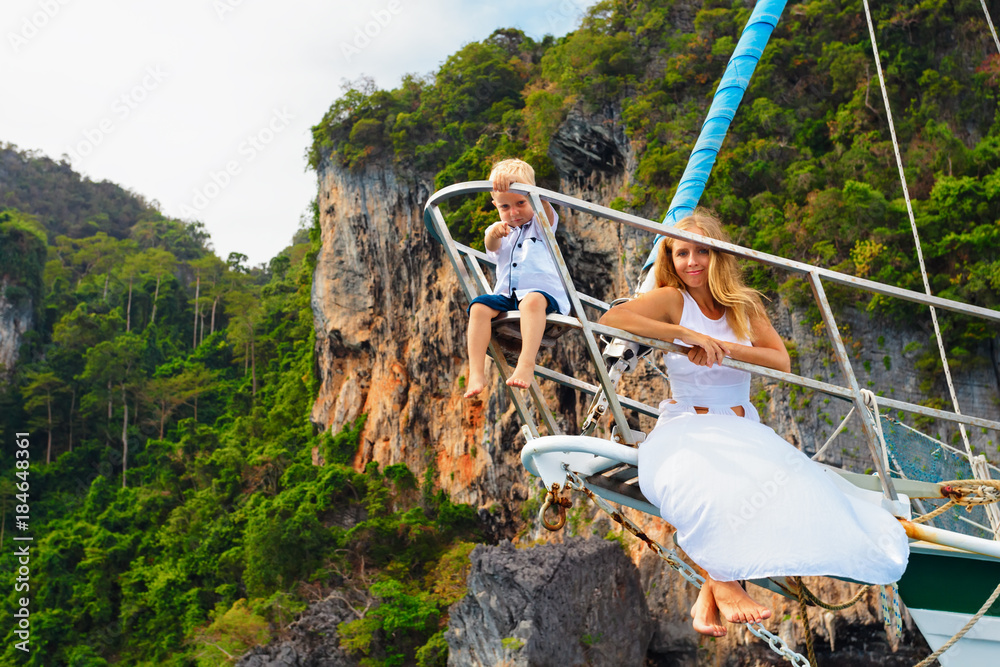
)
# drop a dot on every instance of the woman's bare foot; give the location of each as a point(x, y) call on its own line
point(735, 605)
point(476, 385)
point(705, 613)
point(521, 377)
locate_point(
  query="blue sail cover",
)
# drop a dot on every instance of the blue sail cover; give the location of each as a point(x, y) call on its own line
point(720, 115)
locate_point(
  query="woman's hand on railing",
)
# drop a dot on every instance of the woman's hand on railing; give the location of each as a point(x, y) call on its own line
point(705, 350)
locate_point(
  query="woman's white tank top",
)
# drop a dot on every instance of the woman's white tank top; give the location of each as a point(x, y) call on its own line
point(717, 388)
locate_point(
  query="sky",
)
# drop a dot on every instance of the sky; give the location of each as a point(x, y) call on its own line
point(205, 106)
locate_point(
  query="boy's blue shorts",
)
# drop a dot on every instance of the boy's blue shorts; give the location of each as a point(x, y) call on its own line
point(505, 303)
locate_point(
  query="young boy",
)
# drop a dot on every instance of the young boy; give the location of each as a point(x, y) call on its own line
point(527, 279)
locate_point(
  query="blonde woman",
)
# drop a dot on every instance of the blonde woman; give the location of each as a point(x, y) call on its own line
point(745, 503)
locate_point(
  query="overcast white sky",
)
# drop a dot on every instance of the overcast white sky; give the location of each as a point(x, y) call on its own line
point(206, 105)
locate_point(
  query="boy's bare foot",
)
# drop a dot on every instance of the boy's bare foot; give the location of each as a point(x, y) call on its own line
point(735, 605)
point(476, 385)
point(521, 378)
point(705, 613)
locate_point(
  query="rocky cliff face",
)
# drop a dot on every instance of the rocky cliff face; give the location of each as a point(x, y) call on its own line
point(391, 324)
point(574, 603)
point(16, 319)
point(391, 327)
point(311, 641)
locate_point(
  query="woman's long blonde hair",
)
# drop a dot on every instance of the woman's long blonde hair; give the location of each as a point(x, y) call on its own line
point(725, 280)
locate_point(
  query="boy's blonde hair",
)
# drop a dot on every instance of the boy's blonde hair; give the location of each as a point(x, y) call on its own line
point(520, 170)
point(725, 279)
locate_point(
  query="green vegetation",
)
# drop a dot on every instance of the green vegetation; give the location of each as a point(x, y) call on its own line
point(807, 170)
point(512, 644)
point(177, 510)
point(178, 516)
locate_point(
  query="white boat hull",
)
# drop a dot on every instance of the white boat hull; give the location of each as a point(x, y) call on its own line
point(980, 646)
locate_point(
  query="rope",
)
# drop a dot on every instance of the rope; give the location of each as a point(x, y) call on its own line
point(916, 235)
point(980, 469)
point(827, 605)
point(835, 434)
point(961, 633)
point(930, 515)
point(972, 491)
point(656, 368)
point(993, 30)
point(803, 611)
point(968, 493)
point(892, 618)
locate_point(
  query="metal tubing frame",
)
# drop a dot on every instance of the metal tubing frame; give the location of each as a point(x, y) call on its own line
point(731, 248)
point(468, 286)
point(588, 333)
point(867, 420)
point(435, 223)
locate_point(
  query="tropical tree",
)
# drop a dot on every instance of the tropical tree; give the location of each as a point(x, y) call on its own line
point(167, 393)
point(43, 388)
point(116, 362)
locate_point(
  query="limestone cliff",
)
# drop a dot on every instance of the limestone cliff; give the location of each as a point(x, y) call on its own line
point(390, 333)
point(16, 319)
point(390, 324)
point(558, 604)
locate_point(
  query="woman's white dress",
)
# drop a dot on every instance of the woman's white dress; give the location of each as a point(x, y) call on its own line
point(745, 503)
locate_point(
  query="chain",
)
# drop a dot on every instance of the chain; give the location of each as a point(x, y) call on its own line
point(776, 643)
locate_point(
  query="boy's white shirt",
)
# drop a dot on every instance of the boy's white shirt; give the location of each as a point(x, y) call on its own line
point(536, 271)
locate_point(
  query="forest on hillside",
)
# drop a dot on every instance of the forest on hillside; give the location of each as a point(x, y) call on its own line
point(184, 508)
point(177, 510)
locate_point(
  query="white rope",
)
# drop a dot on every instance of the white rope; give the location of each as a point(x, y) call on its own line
point(993, 30)
point(920, 255)
point(835, 434)
point(871, 402)
point(656, 368)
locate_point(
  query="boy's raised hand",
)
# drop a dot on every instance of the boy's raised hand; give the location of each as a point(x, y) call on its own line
point(501, 183)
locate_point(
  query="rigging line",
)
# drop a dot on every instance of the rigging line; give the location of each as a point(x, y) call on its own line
point(916, 235)
point(832, 437)
point(993, 30)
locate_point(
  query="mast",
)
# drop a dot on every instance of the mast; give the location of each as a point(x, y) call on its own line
point(727, 98)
